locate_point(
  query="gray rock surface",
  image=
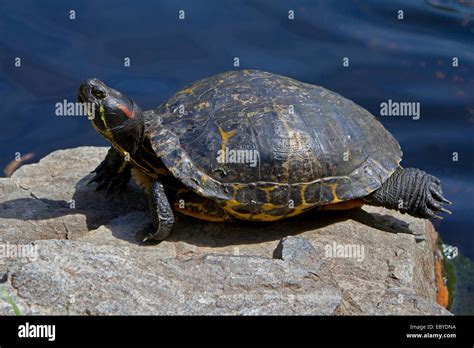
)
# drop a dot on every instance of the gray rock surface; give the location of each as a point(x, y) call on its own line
point(295, 249)
point(86, 259)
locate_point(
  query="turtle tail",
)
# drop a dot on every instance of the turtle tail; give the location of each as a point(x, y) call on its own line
point(411, 191)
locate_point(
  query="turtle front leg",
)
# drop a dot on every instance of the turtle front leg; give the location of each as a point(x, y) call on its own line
point(411, 191)
point(161, 213)
point(113, 173)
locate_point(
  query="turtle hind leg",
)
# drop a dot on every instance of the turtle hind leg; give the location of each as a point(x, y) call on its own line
point(411, 191)
point(113, 173)
point(161, 213)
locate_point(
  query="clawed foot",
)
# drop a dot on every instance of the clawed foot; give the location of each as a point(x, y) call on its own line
point(109, 180)
point(161, 214)
point(146, 234)
point(151, 233)
point(435, 199)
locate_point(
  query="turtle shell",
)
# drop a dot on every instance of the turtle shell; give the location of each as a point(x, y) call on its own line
point(312, 146)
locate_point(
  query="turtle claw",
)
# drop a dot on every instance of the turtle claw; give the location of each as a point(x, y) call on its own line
point(112, 174)
point(446, 201)
point(438, 194)
point(435, 200)
point(146, 234)
point(109, 180)
point(100, 175)
point(115, 185)
point(94, 179)
point(446, 211)
point(150, 238)
point(146, 239)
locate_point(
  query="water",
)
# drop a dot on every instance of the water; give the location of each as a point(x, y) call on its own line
point(403, 60)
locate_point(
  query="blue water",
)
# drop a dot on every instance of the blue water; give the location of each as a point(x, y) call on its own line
point(402, 60)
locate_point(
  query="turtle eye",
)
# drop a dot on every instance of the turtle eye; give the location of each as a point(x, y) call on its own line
point(97, 93)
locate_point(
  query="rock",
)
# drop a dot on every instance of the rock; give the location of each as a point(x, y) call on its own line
point(106, 279)
point(294, 249)
point(298, 250)
point(84, 258)
point(50, 199)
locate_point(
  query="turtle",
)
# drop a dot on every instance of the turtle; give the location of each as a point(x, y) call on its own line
point(253, 145)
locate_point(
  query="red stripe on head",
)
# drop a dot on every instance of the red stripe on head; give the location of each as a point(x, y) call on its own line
point(125, 110)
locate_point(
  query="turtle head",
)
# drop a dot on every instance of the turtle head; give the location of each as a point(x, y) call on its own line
point(115, 116)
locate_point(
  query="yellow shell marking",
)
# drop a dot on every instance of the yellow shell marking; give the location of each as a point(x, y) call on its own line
point(270, 206)
point(302, 192)
point(202, 105)
point(189, 90)
point(304, 205)
point(230, 204)
point(195, 208)
point(267, 191)
point(201, 212)
point(334, 194)
point(225, 136)
point(248, 216)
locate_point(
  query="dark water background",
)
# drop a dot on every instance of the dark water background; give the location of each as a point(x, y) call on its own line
point(403, 60)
